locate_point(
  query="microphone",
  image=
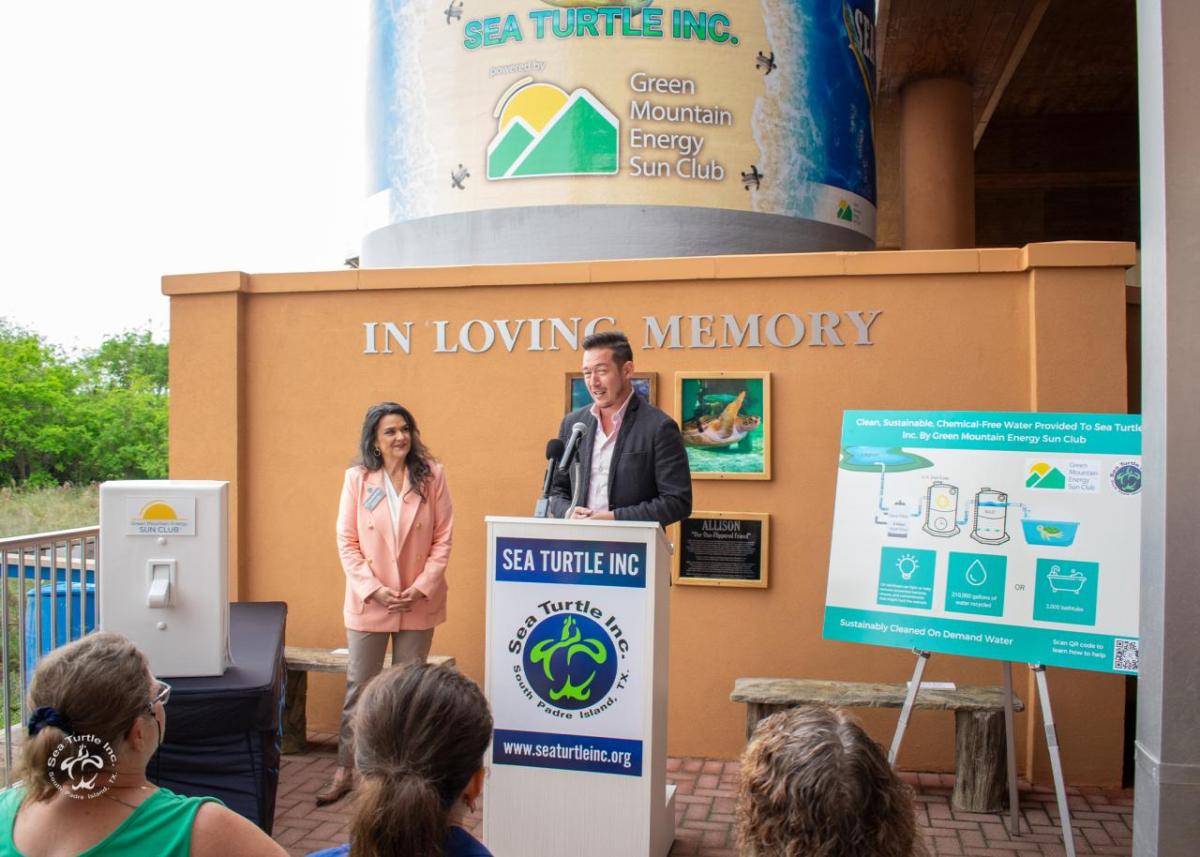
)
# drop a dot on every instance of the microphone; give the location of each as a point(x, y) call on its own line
point(554, 449)
point(572, 450)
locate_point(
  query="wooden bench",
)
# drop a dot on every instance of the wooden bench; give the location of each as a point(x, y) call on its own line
point(301, 660)
point(980, 782)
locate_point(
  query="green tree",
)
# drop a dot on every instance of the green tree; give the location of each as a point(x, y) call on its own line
point(126, 435)
point(124, 408)
point(37, 383)
point(130, 360)
point(100, 416)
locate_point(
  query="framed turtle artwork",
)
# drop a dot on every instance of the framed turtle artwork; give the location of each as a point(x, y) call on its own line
point(645, 384)
point(726, 422)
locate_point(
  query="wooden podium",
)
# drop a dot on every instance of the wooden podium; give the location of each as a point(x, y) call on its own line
point(577, 629)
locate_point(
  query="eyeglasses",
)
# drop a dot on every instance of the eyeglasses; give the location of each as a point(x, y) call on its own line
point(163, 695)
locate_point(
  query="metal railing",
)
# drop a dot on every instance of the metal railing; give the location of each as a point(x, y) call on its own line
point(43, 573)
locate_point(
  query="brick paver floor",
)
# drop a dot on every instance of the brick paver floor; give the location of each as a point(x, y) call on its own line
point(1102, 819)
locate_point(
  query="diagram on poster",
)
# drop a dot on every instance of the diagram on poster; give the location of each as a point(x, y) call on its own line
point(1010, 536)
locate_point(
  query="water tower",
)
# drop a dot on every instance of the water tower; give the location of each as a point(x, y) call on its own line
point(556, 130)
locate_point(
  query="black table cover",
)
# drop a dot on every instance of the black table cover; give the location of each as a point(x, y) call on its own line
point(223, 732)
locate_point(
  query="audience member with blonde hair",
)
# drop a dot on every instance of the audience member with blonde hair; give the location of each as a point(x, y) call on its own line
point(814, 784)
point(98, 715)
point(420, 734)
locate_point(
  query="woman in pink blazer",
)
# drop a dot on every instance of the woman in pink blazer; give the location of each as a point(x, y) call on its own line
point(393, 532)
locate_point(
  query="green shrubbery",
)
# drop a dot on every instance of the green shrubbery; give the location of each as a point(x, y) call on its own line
point(83, 419)
point(41, 510)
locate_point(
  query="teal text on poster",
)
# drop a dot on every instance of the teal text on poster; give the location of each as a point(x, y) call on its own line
point(1047, 646)
point(1095, 434)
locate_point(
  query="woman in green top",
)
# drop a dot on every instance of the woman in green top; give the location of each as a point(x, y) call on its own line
point(98, 716)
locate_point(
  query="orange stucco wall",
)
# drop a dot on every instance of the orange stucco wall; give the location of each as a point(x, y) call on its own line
point(269, 382)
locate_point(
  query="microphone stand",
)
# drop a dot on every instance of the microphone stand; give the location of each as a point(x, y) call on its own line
point(554, 451)
point(576, 486)
point(542, 509)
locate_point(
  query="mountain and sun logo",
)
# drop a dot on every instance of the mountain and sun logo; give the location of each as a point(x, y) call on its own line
point(541, 130)
point(1043, 475)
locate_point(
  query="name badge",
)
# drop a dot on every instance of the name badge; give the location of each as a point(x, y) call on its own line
point(374, 499)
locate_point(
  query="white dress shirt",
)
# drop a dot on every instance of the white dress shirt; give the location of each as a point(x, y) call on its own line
point(602, 453)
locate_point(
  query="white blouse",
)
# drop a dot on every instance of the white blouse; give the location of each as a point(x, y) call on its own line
point(393, 501)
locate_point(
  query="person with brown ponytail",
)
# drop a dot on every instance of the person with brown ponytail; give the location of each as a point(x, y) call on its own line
point(420, 735)
point(98, 716)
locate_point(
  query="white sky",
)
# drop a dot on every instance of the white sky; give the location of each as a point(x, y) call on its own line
point(146, 138)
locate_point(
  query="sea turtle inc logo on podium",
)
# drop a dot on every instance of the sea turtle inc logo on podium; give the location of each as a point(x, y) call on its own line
point(541, 131)
point(570, 662)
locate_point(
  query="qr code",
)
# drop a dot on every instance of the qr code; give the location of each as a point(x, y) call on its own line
point(1125, 655)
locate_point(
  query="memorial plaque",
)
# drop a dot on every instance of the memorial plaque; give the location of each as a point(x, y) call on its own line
point(723, 549)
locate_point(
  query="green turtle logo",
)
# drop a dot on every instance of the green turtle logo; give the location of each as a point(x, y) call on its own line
point(572, 667)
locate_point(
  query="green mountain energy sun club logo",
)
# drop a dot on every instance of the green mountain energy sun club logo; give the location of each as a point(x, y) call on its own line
point(1043, 475)
point(543, 131)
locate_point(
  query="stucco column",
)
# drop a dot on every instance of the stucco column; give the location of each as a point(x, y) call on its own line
point(1068, 365)
point(207, 363)
point(937, 155)
point(1167, 775)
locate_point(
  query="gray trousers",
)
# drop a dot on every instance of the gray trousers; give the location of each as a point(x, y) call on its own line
point(366, 661)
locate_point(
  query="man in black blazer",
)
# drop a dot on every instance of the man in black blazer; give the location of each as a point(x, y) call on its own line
point(634, 467)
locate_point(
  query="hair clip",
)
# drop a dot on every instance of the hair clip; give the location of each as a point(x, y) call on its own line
point(47, 716)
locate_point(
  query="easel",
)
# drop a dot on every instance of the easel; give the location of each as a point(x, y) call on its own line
point(1060, 789)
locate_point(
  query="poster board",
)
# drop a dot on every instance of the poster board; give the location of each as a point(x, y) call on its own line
point(1010, 536)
